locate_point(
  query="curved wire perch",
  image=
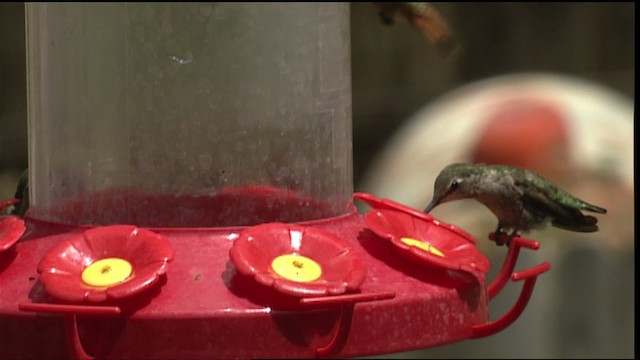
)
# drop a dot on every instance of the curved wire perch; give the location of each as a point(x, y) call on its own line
point(346, 303)
point(509, 263)
point(529, 276)
point(70, 313)
point(69, 309)
point(73, 339)
point(326, 301)
point(341, 334)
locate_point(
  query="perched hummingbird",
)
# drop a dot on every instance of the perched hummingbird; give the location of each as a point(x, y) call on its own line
point(519, 198)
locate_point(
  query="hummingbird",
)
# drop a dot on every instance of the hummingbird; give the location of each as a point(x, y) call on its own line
point(22, 194)
point(426, 18)
point(521, 199)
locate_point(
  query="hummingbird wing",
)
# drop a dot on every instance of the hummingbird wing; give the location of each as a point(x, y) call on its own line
point(565, 216)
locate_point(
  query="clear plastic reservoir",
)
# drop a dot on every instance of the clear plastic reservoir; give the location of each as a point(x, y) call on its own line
point(189, 114)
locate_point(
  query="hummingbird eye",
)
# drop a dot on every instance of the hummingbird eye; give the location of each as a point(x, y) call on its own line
point(454, 186)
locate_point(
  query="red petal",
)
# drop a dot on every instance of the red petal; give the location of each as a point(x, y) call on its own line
point(66, 257)
point(11, 230)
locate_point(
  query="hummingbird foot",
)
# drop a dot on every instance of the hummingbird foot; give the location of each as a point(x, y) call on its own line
point(513, 234)
point(500, 236)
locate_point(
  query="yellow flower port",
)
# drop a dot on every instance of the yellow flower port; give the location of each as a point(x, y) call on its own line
point(106, 272)
point(422, 245)
point(296, 268)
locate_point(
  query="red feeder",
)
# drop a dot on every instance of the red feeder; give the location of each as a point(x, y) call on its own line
point(192, 197)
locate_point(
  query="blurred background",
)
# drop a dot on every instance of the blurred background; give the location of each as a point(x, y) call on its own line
point(546, 86)
point(561, 73)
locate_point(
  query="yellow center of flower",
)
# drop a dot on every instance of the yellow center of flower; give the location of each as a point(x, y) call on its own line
point(422, 245)
point(296, 268)
point(107, 272)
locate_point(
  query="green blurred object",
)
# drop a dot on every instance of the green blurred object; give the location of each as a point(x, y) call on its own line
point(22, 194)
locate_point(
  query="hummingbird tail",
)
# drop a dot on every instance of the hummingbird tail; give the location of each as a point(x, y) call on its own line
point(595, 209)
point(582, 224)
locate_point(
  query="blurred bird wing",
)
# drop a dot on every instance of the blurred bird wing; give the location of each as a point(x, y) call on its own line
point(538, 202)
point(561, 216)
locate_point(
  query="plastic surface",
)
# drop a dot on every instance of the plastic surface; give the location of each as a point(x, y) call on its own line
point(186, 99)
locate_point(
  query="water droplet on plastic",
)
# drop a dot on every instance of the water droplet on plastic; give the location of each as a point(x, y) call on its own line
point(182, 58)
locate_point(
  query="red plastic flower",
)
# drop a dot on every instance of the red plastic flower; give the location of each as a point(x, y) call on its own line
point(11, 227)
point(428, 242)
point(297, 260)
point(109, 262)
point(378, 203)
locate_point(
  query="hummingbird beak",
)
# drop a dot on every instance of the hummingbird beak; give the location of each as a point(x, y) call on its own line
point(431, 205)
